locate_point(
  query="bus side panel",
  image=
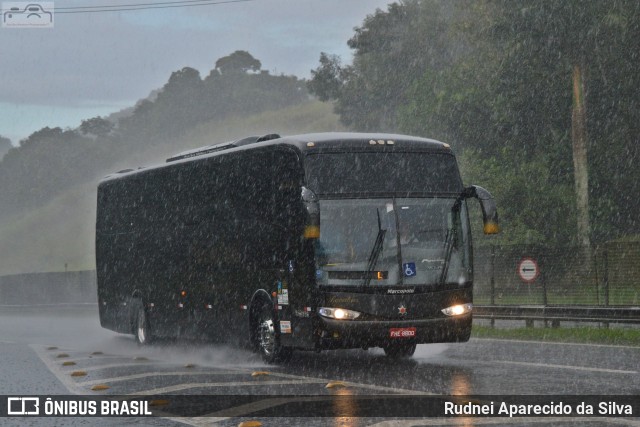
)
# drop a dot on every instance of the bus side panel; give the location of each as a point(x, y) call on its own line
point(303, 296)
point(256, 236)
point(109, 310)
point(113, 309)
point(219, 228)
point(259, 224)
point(159, 254)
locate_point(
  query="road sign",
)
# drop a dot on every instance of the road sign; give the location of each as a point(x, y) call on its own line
point(528, 270)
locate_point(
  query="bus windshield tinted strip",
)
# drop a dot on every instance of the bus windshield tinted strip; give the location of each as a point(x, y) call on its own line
point(370, 172)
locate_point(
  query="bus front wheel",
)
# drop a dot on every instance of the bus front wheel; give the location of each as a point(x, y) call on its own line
point(267, 339)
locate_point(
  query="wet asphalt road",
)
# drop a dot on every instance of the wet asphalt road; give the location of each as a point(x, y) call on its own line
point(30, 365)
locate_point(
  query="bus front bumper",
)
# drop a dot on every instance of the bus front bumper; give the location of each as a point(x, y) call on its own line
point(334, 334)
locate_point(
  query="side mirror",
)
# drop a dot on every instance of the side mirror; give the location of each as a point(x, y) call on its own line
point(488, 205)
point(312, 214)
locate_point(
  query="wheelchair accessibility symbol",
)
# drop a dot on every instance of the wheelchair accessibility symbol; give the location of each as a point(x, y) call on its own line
point(409, 269)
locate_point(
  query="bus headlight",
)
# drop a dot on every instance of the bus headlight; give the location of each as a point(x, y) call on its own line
point(457, 310)
point(338, 313)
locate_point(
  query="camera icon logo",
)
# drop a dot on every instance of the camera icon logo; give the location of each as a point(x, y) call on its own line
point(27, 15)
point(23, 406)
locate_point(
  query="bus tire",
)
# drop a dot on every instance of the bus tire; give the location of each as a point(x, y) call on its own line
point(141, 328)
point(267, 338)
point(398, 350)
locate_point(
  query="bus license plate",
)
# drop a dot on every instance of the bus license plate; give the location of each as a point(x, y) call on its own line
point(402, 332)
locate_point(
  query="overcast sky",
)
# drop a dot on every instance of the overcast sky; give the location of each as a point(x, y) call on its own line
point(93, 64)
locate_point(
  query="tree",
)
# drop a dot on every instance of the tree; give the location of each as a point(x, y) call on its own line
point(184, 79)
point(327, 80)
point(49, 160)
point(584, 46)
point(96, 126)
point(239, 61)
point(42, 136)
point(5, 145)
point(177, 107)
point(391, 49)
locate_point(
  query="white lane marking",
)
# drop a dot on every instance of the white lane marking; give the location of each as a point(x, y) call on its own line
point(119, 365)
point(267, 403)
point(180, 387)
point(503, 420)
point(558, 343)
point(351, 384)
point(110, 358)
point(547, 365)
point(115, 365)
point(151, 374)
point(56, 369)
point(8, 342)
point(62, 304)
point(203, 421)
point(246, 409)
point(104, 357)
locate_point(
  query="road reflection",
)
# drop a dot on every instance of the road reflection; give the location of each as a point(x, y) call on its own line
point(460, 384)
point(346, 407)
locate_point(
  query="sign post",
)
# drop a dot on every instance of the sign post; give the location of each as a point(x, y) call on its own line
point(528, 271)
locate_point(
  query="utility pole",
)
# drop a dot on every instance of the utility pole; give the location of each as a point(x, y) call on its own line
point(580, 167)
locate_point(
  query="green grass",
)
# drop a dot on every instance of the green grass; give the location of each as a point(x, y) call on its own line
point(568, 335)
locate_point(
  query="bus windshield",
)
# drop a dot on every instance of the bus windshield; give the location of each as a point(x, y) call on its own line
point(412, 236)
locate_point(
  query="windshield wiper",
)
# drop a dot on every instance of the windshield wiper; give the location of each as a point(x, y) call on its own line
point(375, 251)
point(448, 243)
point(398, 244)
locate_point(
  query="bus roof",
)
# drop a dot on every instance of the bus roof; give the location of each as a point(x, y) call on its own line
point(333, 141)
point(337, 140)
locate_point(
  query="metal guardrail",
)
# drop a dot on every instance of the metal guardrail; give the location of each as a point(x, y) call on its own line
point(555, 314)
point(49, 288)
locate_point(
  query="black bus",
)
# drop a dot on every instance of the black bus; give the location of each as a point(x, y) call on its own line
point(317, 241)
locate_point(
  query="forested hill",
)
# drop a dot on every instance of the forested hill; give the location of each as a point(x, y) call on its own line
point(53, 160)
point(5, 145)
point(539, 98)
